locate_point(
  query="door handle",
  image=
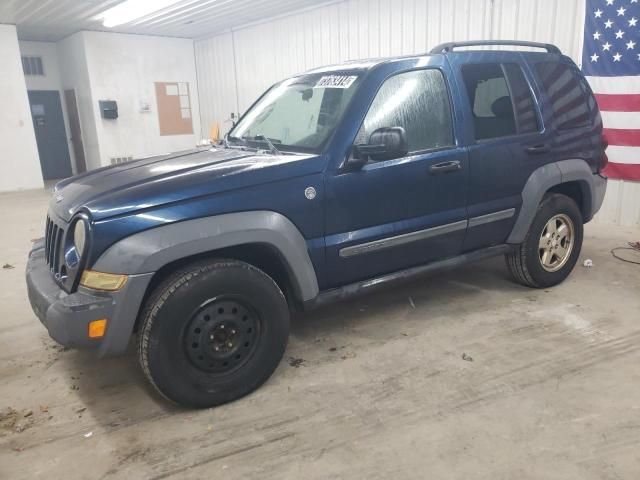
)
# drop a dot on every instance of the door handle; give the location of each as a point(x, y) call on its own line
point(445, 167)
point(537, 149)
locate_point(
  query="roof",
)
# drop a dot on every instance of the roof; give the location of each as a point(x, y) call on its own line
point(364, 64)
point(448, 47)
point(443, 48)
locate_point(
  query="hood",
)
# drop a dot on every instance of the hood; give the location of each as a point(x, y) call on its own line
point(155, 181)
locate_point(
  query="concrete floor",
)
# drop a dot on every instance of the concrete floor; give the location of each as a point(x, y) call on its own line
point(370, 388)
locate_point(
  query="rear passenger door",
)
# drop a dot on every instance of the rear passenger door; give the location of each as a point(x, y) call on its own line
point(506, 144)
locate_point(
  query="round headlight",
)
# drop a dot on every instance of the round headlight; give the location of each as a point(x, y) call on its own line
point(80, 236)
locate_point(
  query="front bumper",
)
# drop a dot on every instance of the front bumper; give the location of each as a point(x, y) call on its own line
point(67, 316)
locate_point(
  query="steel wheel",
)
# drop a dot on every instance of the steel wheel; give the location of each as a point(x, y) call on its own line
point(556, 242)
point(212, 331)
point(222, 335)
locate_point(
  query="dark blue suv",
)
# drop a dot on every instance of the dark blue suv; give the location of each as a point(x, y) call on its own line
point(334, 182)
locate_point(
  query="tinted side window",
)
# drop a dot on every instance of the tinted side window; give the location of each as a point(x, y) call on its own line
point(489, 97)
point(567, 92)
point(526, 117)
point(417, 101)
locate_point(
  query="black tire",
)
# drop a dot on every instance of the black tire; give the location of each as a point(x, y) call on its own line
point(194, 305)
point(525, 262)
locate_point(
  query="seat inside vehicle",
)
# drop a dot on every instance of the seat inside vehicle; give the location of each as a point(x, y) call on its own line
point(501, 124)
point(492, 106)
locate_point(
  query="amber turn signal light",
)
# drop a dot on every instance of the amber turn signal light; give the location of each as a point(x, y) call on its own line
point(102, 281)
point(97, 328)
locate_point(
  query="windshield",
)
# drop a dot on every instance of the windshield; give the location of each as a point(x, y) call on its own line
point(298, 114)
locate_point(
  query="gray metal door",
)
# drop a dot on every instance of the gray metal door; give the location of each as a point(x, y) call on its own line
point(51, 137)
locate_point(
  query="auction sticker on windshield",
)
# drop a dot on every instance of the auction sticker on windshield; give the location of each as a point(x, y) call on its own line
point(336, 81)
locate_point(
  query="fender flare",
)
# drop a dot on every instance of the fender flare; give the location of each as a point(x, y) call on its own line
point(546, 177)
point(150, 250)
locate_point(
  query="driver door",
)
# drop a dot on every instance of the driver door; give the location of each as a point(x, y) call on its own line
point(393, 214)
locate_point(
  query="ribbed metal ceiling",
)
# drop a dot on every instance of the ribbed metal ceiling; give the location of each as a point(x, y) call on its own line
point(52, 20)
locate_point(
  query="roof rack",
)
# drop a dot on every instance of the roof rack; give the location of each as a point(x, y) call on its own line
point(448, 47)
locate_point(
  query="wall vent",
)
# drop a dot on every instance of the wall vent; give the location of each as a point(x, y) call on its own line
point(117, 160)
point(32, 65)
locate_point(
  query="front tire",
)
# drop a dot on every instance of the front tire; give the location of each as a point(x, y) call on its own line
point(213, 332)
point(552, 245)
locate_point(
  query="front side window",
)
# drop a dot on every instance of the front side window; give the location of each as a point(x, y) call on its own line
point(570, 100)
point(417, 101)
point(300, 113)
point(493, 90)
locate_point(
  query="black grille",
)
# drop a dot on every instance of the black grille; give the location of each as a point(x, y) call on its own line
point(53, 237)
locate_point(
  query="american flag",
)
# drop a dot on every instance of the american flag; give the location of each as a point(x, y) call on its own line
point(611, 63)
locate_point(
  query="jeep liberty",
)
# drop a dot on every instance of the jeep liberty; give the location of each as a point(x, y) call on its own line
point(334, 182)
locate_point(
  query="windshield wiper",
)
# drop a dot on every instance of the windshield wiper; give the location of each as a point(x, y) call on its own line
point(267, 140)
point(243, 141)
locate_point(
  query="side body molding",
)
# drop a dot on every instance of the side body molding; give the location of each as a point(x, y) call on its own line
point(150, 250)
point(548, 176)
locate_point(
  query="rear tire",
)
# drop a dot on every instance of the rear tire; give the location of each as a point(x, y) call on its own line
point(552, 245)
point(213, 332)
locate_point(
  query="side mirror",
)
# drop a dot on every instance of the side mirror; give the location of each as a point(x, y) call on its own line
point(384, 144)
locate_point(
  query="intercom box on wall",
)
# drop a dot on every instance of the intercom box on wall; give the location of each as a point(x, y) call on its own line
point(108, 109)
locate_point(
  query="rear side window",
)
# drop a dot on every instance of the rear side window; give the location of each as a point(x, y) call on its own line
point(526, 117)
point(417, 101)
point(500, 100)
point(568, 94)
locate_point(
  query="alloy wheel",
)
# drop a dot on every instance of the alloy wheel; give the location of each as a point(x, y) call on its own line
point(556, 242)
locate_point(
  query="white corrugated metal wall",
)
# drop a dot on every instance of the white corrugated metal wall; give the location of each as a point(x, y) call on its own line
point(237, 66)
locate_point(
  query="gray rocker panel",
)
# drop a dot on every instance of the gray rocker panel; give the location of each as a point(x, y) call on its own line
point(150, 250)
point(548, 176)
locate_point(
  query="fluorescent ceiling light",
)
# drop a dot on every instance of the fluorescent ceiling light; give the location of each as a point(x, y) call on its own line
point(130, 10)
